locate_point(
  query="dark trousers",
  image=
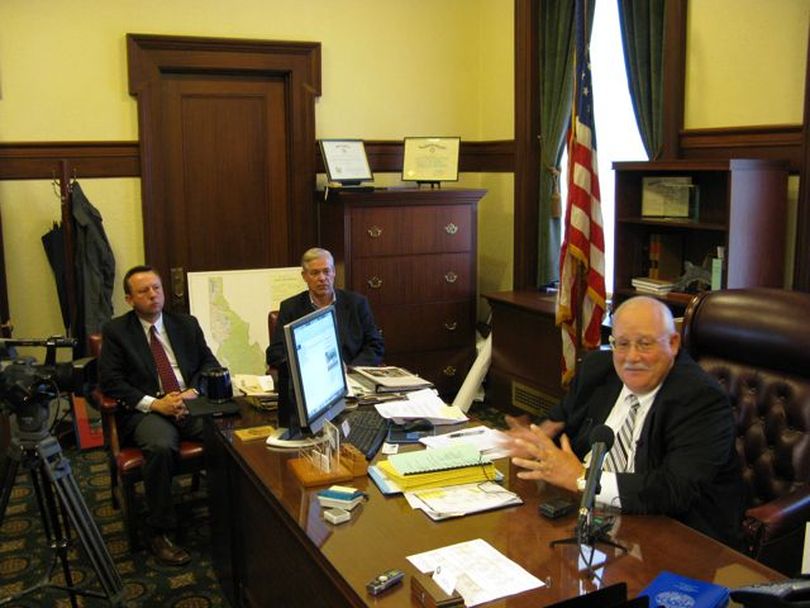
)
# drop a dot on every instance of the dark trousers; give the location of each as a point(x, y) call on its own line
point(159, 439)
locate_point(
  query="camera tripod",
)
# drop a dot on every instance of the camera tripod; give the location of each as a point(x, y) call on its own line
point(41, 455)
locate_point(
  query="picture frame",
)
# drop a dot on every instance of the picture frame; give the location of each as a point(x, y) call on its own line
point(345, 161)
point(670, 197)
point(430, 159)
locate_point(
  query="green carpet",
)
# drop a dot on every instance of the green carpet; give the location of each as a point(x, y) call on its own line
point(24, 554)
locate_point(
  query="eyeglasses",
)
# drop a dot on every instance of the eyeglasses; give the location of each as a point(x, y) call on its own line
point(643, 345)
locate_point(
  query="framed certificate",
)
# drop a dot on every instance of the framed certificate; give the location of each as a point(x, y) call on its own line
point(430, 159)
point(346, 161)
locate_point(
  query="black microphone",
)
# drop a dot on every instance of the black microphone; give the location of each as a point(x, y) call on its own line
point(601, 439)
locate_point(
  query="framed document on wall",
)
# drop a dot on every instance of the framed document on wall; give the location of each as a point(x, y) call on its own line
point(345, 161)
point(430, 159)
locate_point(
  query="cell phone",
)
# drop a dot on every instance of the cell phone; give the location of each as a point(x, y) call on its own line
point(556, 507)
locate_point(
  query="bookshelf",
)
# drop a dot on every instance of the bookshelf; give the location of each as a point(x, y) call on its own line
point(741, 206)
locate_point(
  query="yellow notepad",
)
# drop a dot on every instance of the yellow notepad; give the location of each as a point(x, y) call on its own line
point(438, 467)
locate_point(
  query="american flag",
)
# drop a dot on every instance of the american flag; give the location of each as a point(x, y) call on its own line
point(584, 241)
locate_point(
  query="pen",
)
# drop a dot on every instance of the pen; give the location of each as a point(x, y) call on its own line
point(477, 431)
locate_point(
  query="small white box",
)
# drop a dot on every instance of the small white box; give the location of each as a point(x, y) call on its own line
point(336, 516)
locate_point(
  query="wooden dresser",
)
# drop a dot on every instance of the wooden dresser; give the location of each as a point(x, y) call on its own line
point(412, 253)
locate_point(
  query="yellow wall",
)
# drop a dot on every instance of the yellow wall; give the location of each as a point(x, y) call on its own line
point(390, 68)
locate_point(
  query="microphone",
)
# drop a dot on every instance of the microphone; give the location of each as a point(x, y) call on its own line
point(601, 439)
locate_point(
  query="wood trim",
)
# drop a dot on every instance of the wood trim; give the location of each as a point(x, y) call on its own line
point(527, 143)
point(674, 77)
point(43, 160)
point(779, 142)
point(801, 263)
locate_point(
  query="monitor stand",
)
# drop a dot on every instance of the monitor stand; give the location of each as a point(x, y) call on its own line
point(292, 439)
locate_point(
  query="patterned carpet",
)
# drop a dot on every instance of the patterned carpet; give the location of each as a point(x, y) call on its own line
point(25, 556)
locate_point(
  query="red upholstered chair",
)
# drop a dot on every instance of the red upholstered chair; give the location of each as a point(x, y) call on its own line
point(126, 463)
point(756, 342)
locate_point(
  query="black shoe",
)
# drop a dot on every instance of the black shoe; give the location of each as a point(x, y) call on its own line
point(167, 552)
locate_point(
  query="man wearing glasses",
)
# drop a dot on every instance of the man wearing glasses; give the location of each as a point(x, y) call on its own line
point(674, 451)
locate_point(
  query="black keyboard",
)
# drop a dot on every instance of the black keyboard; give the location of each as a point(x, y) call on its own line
point(367, 431)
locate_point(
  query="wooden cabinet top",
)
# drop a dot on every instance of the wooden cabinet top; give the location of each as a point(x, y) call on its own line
point(403, 196)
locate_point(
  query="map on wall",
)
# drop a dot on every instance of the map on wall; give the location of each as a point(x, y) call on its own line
point(232, 307)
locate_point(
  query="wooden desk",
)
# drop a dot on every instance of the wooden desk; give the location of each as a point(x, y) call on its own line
point(272, 547)
point(526, 350)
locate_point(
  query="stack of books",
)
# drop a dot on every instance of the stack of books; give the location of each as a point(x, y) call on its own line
point(658, 287)
point(389, 379)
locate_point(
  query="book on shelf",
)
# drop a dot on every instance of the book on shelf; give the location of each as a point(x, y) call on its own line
point(654, 286)
point(391, 379)
point(665, 256)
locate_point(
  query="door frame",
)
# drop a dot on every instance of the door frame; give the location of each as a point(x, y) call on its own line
point(297, 63)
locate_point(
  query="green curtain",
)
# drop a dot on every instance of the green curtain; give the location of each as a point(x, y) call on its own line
point(642, 24)
point(556, 89)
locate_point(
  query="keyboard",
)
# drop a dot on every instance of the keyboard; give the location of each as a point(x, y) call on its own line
point(367, 431)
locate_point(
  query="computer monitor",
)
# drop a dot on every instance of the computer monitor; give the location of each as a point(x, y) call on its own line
point(316, 371)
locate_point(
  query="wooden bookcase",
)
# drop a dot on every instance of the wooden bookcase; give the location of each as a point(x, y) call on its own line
point(741, 207)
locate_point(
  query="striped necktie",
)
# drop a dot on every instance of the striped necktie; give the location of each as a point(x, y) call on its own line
point(616, 460)
point(164, 368)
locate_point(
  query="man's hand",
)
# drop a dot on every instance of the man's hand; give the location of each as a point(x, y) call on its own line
point(535, 451)
point(171, 405)
point(519, 428)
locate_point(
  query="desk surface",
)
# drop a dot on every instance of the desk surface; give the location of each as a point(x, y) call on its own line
point(385, 530)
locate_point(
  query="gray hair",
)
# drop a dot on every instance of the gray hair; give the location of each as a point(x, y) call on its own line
point(316, 253)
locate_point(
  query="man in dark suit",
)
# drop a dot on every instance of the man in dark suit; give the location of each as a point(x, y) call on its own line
point(674, 452)
point(360, 340)
point(151, 361)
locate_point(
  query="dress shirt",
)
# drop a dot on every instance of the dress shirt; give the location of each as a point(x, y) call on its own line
point(609, 494)
point(145, 404)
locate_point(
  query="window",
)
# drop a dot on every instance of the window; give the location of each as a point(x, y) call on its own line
point(617, 136)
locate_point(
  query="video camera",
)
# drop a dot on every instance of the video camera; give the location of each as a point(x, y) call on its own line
point(27, 388)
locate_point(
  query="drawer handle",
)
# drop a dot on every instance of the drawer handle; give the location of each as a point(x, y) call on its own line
point(374, 232)
point(450, 277)
point(375, 282)
point(451, 228)
point(449, 371)
point(450, 325)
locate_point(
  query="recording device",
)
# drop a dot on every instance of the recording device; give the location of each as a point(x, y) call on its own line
point(601, 439)
point(384, 581)
point(27, 388)
point(555, 508)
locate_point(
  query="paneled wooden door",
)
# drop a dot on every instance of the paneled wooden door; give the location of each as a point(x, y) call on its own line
point(227, 153)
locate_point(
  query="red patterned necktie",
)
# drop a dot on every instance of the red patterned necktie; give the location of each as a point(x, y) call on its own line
point(164, 367)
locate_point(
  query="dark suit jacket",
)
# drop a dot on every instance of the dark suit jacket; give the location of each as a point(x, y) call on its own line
point(127, 369)
point(686, 465)
point(360, 340)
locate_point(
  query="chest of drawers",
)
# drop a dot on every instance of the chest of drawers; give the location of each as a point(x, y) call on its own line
point(412, 253)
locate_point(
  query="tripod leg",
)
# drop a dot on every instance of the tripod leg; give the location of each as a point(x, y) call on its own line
point(58, 469)
point(7, 476)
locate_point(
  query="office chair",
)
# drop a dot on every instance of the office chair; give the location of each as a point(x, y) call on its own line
point(126, 463)
point(756, 342)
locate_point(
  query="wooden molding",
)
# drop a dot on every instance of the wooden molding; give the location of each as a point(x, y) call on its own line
point(779, 142)
point(44, 160)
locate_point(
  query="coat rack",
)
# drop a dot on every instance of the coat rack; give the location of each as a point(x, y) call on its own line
point(65, 194)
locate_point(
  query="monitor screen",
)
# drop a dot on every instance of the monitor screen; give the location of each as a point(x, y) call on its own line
point(316, 368)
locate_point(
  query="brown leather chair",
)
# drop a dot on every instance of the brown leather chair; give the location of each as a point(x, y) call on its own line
point(126, 463)
point(272, 319)
point(756, 342)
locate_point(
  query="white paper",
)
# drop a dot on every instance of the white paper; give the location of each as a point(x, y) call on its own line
point(254, 386)
point(485, 573)
point(456, 501)
point(490, 442)
point(421, 404)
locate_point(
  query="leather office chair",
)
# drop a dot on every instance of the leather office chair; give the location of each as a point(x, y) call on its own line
point(126, 463)
point(272, 320)
point(756, 342)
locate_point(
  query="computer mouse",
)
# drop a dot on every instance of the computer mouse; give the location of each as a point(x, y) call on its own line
point(417, 424)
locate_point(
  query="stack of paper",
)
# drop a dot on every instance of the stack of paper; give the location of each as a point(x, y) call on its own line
point(490, 442)
point(456, 501)
point(392, 379)
point(421, 404)
point(653, 286)
point(439, 467)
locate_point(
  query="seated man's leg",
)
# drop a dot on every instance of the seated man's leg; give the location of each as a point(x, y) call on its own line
point(159, 439)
